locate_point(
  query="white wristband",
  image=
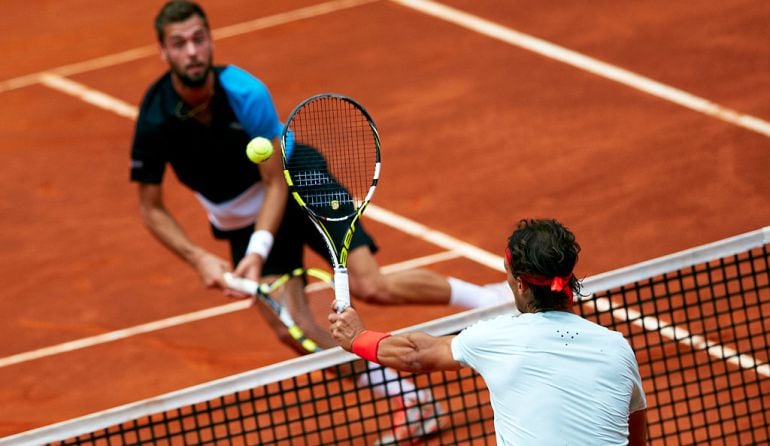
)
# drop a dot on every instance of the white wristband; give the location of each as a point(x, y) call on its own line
point(260, 243)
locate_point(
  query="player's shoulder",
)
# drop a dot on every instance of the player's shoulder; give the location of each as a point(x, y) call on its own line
point(236, 80)
point(609, 337)
point(494, 324)
point(590, 325)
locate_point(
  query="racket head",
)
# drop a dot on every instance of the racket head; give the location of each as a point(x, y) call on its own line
point(330, 150)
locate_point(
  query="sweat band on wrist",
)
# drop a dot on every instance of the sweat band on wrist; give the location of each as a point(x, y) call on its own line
point(365, 344)
point(260, 243)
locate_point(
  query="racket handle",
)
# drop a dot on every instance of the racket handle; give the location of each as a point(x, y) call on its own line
point(241, 284)
point(341, 289)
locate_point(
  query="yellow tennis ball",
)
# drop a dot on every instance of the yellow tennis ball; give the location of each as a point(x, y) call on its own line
point(259, 149)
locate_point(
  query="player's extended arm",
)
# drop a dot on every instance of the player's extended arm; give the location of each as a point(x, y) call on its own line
point(165, 228)
point(417, 352)
point(271, 213)
point(637, 428)
point(411, 352)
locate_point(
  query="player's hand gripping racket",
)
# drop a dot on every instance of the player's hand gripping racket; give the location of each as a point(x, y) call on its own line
point(263, 291)
point(331, 160)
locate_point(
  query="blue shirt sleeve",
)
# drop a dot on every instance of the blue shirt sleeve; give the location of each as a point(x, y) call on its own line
point(251, 102)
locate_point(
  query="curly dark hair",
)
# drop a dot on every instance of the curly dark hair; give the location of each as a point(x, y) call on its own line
point(175, 11)
point(545, 248)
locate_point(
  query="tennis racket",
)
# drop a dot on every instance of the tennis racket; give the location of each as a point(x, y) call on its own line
point(263, 291)
point(331, 160)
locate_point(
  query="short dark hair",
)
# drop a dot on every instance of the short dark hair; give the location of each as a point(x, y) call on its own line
point(545, 248)
point(177, 11)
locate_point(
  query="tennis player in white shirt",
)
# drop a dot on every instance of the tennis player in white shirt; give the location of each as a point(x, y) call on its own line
point(553, 376)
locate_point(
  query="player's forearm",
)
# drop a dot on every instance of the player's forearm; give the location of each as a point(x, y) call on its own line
point(163, 226)
point(273, 208)
point(416, 352)
point(401, 352)
point(276, 193)
point(410, 351)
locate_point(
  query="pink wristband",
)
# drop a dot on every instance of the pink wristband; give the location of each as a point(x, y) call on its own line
point(365, 344)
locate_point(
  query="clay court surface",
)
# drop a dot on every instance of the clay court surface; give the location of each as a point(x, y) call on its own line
point(477, 133)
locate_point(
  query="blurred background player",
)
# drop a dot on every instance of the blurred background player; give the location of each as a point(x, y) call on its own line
point(553, 376)
point(198, 118)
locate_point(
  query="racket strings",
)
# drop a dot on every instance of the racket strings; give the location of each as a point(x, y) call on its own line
point(334, 169)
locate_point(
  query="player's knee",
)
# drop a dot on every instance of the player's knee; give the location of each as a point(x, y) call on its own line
point(376, 295)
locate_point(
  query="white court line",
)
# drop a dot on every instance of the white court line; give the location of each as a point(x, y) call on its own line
point(589, 64)
point(89, 95)
point(193, 316)
point(125, 333)
point(422, 232)
point(81, 67)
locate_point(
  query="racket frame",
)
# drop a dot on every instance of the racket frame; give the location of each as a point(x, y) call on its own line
point(338, 255)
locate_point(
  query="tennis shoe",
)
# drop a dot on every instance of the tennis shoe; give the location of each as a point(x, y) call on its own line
point(416, 419)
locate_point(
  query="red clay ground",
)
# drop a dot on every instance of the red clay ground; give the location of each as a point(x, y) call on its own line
point(476, 135)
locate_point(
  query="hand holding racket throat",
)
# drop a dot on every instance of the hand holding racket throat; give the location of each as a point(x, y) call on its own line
point(330, 150)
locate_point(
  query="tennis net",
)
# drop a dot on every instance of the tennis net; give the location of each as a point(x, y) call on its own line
point(694, 319)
